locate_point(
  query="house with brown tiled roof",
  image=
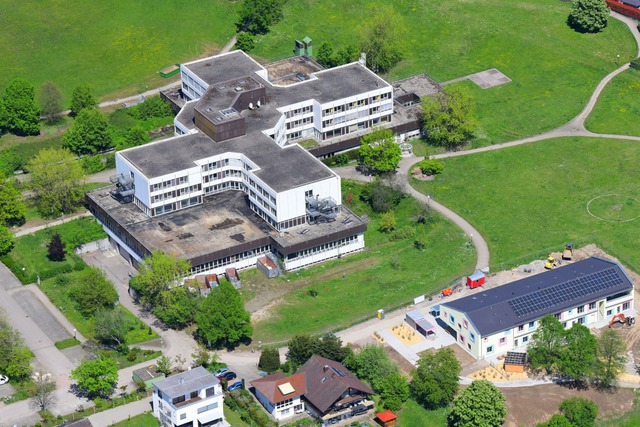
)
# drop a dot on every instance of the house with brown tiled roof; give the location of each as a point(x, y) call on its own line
point(325, 388)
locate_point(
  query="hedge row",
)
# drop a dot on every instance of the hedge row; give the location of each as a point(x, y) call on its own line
point(624, 9)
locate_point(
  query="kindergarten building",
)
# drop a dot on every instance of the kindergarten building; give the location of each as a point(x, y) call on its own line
point(492, 322)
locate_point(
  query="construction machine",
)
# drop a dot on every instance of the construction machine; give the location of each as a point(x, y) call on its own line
point(568, 251)
point(621, 318)
point(551, 263)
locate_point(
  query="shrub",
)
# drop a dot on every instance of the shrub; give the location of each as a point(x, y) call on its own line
point(55, 249)
point(387, 222)
point(381, 197)
point(92, 164)
point(431, 167)
point(151, 107)
point(635, 63)
point(269, 360)
point(588, 16)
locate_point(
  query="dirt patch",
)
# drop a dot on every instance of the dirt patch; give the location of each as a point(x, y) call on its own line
point(264, 312)
point(463, 357)
point(405, 334)
point(528, 406)
point(405, 366)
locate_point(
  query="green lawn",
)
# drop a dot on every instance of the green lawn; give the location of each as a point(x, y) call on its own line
point(233, 418)
point(617, 109)
point(116, 46)
point(553, 68)
point(530, 200)
point(413, 414)
point(369, 277)
point(144, 420)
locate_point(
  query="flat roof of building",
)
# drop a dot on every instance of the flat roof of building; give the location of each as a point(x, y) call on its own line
point(185, 382)
point(281, 168)
point(550, 292)
point(224, 67)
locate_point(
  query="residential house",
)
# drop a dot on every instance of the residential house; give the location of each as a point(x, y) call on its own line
point(280, 395)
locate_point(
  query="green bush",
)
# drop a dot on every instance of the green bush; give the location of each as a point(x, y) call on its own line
point(110, 161)
point(431, 167)
point(151, 107)
point(635, 63)
point(92, 164)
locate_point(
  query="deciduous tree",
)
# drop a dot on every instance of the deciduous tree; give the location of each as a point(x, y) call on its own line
point(330, 346)
point(588, 16)
point(578, 356)
point(6, 240)
point(256, 16)
point(547, 344)
point(96, 377)
point(111, 326)
point(581, 412)
point(222, 319)
point(245, 42)
point(393, 390)
point(164, 364)
point(159, 272)
point(611, 358)
point(269, 360)
point(12, 207)
point(43, 396)
point(57, 182)
point(50, 102)
point(435, 381)
point(176, 307)
point(379, 151)
point(371, 364)
point(15, 357)
point(301, 348)
point(447, 119)
point(382, 41)
point(20, 113)
point(94, 292)
point(89, 134)
point(479, 405)
point(82, 98)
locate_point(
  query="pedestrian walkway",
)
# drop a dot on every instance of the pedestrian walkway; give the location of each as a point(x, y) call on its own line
point(121, 413)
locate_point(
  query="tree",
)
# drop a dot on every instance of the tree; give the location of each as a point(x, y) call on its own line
point(176, 307)
point(447, 119)
point(55, 249)
point(393, 390)
point(301, 348)
point(164, 364)
point(581, 412)
point(12, 208)
point(89, 134)
point(159, 272)
point(588, 16)
point(15, 357)
point(324, 55)
point(94, 292)
point(371, 364)
point(111, 326)
point(330, 346)
point(57, 182)
point(256, 16)
point(379, 151)
point(431, 167)
point(479, 405)
point(435, 381)
point(20, 112)
point(557, 420)
point(381, 197)
point(151, 107)
point(382, 41)
point(269, 360)
point(96, 377)
point(6, 240)
point(245, 42)
point(82, 98)
point(611, 358)
point(222, 319)
point(50, 102)
point(203, 357)
point(578, 357)
point(387, 222)
point(547, 343)
point(42, 396)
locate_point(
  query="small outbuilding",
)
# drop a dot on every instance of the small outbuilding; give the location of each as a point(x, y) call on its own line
point(419, 323)
point(145, 377)
point(476, 279)
point(232, 276)
point(386, 418)
point(515, 361)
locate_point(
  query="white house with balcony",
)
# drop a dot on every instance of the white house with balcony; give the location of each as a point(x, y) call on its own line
point(189, 399)
point(490, 322)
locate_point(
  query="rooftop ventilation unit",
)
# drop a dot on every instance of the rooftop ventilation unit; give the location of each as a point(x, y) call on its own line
point(124, 190)
point(321, 210)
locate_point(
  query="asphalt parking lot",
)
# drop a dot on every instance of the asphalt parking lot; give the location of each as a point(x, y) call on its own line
point(40, 315)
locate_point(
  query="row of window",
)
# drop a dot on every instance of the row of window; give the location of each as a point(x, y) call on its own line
point(209, 407)
point(285, 402)
point(215, 165)
point(230, 259)
point(323, 248)
point(298, 123)
point(176, 193)
point(298, 111)
point(355, 127)
point(168, 184)
point(356, 104)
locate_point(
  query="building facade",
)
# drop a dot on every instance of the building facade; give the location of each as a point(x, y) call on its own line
point(189, 399)
point(492, 322)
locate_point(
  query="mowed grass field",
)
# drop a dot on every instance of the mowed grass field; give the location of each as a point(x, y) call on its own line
point(530, 200)
point(553, 68)
point(116, 47)
point(618, 109)
point(388, 274)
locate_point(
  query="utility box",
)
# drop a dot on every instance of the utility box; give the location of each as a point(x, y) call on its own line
point(304, 47)
point(381, 314)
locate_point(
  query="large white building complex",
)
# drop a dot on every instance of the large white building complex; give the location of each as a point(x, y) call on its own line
point(234, 184)
point(492, 322)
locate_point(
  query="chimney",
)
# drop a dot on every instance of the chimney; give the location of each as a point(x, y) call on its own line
point(363, 59)
point(325, 368)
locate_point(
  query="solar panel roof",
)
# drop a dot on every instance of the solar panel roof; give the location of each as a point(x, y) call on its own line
point(550, 292)
point(515, 358)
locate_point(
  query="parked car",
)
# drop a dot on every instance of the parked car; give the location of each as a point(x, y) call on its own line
point(220, 372)
point(4, 379)
point(235, 386)
point(229, 376)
